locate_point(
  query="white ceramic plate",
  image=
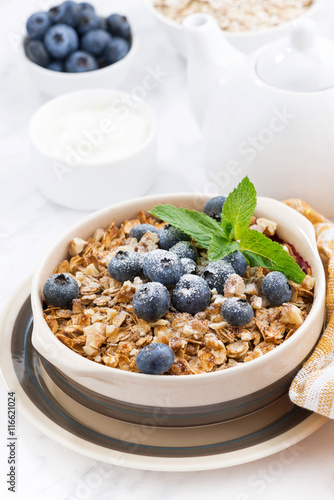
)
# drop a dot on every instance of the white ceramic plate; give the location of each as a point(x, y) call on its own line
point(281, 424)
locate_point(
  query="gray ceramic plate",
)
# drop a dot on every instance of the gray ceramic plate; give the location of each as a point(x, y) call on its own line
point(91, 433)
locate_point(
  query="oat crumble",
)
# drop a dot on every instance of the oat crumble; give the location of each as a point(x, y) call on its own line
point(102, 327)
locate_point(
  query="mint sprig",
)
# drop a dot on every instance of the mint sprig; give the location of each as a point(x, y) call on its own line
point(233, 232)
point(239, 208)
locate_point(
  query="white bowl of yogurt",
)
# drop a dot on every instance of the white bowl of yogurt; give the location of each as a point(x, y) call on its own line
point(93, 148)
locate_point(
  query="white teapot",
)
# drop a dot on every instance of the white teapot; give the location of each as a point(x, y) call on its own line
point(269, 115)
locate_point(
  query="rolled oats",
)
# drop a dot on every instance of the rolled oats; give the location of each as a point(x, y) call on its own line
point(237, 15)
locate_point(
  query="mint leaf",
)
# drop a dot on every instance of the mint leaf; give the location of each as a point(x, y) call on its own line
point(261, 251)
point(239, 208)
point(220, 247)
point(198, 225)
point(220, 239)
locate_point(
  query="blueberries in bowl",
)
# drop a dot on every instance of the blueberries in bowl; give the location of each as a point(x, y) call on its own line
point(163, 267)
point(95, 41)
point(87, 21)
point(213, 207)
point(237, 312)
point(185, 250)
point(151, 301)
point(56, 65)
point(170, 235)
point(37, 25)
point(125, 265)
point(37, 53)
point(67, 13)
point(139, 230)
point(155, 359)
point(80, 62)
point(74, 39)
point(83, 6)
point(216, 274)
point(189, 266)
point(191, 294)
point(119, 26)
point(115, 50)
point(276, 288)
point(238, 262)
point(60, 40)
point(60, 290)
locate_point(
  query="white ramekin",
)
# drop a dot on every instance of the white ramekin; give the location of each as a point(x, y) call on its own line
point(54, 83)
point(91, 186)
point(246, 41)
point(195, 391)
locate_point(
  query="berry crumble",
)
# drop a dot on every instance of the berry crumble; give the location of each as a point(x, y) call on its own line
point(134, 290)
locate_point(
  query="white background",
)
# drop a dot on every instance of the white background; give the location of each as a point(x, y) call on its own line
point(29, 224)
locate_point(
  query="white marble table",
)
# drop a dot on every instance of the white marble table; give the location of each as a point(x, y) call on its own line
point(29, 224)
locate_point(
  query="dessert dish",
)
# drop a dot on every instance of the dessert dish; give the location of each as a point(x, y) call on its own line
point(197, 399)
point(123, 298)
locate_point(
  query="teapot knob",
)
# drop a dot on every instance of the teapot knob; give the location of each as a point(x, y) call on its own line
point(303, 35)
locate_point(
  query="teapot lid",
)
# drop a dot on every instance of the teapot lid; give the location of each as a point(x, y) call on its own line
point(303, 62)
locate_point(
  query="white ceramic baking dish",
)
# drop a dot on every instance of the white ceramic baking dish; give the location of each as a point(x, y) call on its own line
point(195, 399)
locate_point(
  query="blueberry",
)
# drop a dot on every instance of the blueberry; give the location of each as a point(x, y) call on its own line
point(36, 52)
point(60, 40)
point(37, 25)
point(237, 312)
point(115, 50)
point(189, 266)
point(155, 359)
point(65, 13)
point(162, 266)
point(276, 288)
point(125, 265)
point(151, 301)
point(216, 274)
point(56, 65)
point(238, 262)
point(118, 25)
point(139, 230)
point(84, 6)
point(80, 62)
point(185, 250)
point(170, 235)
point(95, 41)
point(60, 290)
point(87, 21)
point(213, 208)
point(191, 294)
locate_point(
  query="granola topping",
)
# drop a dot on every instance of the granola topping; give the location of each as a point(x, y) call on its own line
point(101, 325)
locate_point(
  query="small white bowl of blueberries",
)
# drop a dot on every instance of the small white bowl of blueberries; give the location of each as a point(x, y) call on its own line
point(71, 47)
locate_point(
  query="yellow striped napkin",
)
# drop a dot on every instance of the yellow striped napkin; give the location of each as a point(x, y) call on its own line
point(313, 386)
